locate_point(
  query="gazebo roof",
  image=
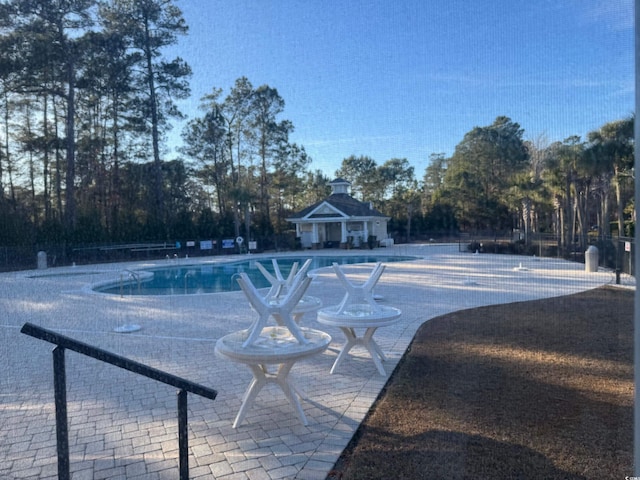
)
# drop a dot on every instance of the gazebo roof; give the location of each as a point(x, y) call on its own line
point(343, 203)
point(338, 181)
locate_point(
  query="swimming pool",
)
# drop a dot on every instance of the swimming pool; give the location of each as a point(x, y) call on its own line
point(177, 279)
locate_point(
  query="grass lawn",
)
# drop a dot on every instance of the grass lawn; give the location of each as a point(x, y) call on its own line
point(532, 390)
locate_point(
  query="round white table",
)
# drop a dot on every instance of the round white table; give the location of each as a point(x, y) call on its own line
point(360, 316)
point(307, 304)
point(275, 346)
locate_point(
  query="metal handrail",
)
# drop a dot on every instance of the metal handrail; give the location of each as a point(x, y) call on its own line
point(189, 273)
point(132, 275)
point(59, 379)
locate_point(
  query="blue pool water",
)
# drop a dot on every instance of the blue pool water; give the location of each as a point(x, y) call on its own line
point(216, 278)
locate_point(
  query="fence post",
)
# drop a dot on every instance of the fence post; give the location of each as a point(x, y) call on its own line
point(183, 435)
point(60, 397)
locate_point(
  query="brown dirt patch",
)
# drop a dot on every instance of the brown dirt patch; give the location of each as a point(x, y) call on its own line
point(539, 389)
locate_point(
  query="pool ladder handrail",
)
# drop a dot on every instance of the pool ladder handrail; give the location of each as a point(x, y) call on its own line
point(189, 273)
point(132, 275)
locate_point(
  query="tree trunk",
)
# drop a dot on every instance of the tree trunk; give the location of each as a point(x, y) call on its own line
point(58, 161)
point(619, 205)
point(70, 194)
point(45, 167)
point(155, 142)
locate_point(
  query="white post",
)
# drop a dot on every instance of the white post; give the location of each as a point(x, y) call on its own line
point(343, 234)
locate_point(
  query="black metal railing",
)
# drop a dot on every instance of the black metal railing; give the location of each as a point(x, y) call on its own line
point(60, 391)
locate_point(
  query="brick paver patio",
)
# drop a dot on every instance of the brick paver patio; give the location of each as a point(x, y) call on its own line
point(125, 426)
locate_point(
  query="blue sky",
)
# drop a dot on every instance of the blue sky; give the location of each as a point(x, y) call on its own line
point(408, 78)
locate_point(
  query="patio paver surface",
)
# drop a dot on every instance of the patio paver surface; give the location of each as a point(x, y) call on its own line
point(125, 426)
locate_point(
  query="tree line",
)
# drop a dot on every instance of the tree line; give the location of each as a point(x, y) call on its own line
point(87, 97)
point(497, 181)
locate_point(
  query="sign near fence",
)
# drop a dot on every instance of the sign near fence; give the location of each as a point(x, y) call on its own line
point(228, 243)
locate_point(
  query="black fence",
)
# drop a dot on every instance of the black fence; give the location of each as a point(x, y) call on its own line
point(38, 256)
point(615, 253)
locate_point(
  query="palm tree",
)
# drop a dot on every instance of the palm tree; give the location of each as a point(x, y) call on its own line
point(613, 146)
point(560, 174)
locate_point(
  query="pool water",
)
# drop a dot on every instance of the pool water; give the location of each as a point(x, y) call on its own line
point(216, 278)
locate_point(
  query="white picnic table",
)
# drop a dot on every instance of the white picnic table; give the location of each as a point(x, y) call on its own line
point(270, 351)
point(275, 346)
point(359, 310)
point(280, 287)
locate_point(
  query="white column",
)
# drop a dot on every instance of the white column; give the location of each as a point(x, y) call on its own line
point(343, 236)
point(314, 236)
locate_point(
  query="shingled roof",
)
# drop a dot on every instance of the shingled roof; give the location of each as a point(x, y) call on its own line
point(345, 204)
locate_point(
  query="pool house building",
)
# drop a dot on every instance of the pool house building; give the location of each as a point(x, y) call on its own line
point(340, 221)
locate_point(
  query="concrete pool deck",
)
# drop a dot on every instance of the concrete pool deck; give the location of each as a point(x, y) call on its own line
point(124, 426)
